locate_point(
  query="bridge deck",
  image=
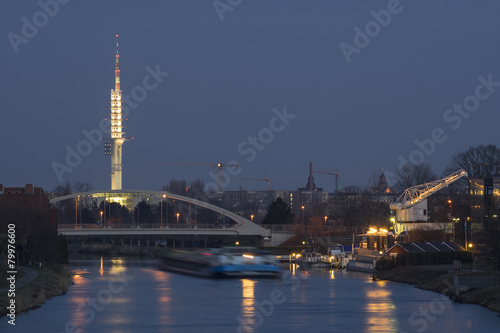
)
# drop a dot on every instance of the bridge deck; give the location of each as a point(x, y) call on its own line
point(146, 229)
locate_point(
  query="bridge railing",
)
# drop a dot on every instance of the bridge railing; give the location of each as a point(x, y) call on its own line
point(281, 227)
point(145, 226)
point(315, 227)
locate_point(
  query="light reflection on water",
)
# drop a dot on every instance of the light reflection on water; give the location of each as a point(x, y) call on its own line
point(164, 300)
point(380, 308)
point(319, 301)
point(78, 297)
point(248, 304)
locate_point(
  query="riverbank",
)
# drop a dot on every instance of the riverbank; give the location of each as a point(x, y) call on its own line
point(47, 284)
point(441, 279)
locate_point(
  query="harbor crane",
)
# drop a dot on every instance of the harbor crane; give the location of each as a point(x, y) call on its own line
point(211, 165)
point(267, 180)
point(332, 174)
point(411, 206)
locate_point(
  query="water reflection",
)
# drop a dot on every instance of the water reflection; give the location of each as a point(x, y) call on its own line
point(117, 267)
point(164, 296)
point(380, 309)
point(248, 305)
point(97, 293)
point(78, 297)
point(156, 301)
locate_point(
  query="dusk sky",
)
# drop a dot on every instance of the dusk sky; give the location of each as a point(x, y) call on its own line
point(342, 99)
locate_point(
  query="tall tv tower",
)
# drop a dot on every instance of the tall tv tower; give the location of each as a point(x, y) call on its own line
point(114, 148)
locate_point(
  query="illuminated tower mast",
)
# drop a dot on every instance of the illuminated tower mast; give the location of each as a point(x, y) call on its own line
point(117, 138)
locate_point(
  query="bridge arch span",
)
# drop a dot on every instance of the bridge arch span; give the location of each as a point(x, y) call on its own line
point(243, 225)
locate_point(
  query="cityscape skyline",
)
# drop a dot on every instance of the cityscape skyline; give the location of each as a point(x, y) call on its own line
point(204, 85)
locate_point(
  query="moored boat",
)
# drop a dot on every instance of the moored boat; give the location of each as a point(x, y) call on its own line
point(337, 256)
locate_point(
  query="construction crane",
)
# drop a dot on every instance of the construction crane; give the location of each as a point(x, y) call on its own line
point(331, 174)
point(412, 204)
point(267, 180)
point(211, 165)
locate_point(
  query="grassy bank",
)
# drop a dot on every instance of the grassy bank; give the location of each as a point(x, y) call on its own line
point(47, 284)
point(439, 279)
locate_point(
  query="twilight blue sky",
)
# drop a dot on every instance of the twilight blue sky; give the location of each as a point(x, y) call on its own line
point(225, 78)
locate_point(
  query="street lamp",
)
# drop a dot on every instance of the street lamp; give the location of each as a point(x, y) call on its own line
point(326, 218)
point(444, 224)
point(251, 217)
point(303, 222)
point(161, 209)
point(76, 211)
point(101, 217)
point(178, 218)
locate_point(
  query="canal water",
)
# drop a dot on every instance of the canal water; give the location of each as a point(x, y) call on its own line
point(124, 295)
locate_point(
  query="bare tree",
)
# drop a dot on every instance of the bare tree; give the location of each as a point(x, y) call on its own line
point(79, 187)
point(478, 161)
point(413, 174)
point(481, 161)
point(374, 178)
point(196, 187)
point(61, 190)
point(176, 187)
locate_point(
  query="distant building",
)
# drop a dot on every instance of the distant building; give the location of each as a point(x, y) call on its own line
point(30, 197)
point(382, 186)
point(383, 191)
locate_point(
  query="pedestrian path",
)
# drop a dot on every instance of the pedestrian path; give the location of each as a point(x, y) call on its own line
point(30, 275)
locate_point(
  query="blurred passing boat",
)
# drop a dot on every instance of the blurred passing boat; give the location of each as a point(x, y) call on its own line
point(235, 262)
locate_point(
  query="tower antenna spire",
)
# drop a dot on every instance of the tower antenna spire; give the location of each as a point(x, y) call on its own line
point(117, 67)
point(117, 135)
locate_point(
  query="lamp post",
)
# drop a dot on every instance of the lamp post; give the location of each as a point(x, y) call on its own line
point(251, 217)
point(455, 221)
point(80, 211)
point(326, 218)
point(161, 209)
point(101, 218)
point(449, 216)
point(104, 208)
point(178, 219)
point(303, 221)
point(76, 212)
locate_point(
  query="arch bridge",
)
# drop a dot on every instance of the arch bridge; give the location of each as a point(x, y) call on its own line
point(241, 226)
